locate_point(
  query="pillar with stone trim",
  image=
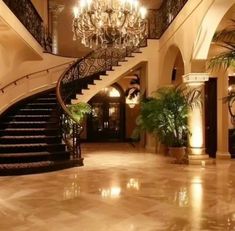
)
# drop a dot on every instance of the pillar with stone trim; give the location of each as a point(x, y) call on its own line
point(55, 9)
point(223, 117)
point(196, 149)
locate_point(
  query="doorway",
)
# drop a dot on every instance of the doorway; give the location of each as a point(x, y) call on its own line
point(211, 117)
point(106, 122)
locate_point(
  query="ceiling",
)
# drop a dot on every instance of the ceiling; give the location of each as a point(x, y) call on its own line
point(150, 4)
point(67, 46)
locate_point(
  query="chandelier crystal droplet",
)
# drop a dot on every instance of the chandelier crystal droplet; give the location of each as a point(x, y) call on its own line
point(116, 23)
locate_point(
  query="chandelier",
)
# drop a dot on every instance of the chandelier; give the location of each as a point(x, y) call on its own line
point(116, 23)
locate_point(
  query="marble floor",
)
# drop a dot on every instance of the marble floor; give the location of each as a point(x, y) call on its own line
point(121, 188)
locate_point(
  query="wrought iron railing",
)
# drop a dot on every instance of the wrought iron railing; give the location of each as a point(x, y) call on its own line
point(25, 11)
point(98, 62)
point(95, 63)
point(159, 20)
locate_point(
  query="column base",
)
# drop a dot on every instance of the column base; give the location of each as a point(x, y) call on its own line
point(223, 155)
point(200, 160)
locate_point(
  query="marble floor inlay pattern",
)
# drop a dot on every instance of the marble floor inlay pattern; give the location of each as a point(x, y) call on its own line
point(121, 188)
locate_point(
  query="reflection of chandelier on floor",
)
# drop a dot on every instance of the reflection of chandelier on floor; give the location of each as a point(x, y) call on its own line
point(117, 23)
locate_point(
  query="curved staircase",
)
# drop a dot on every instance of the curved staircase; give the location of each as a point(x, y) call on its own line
point(30, 138)
point(40, 134)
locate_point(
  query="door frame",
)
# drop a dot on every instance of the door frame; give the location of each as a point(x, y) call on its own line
point(101, 98)
point(210, 92)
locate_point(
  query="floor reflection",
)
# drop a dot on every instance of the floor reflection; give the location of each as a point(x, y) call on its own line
point(121, 188)
point(112, 192)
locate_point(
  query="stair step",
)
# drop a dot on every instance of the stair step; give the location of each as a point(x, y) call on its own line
point(31, 147)
point(27, 124)
point(33, 157)
point(29, 139)
point(41, 105)
point(35, 111)
point(37, 167)
point(29, 131)
point(45, 100)
point(30, 117)
point(25, 165)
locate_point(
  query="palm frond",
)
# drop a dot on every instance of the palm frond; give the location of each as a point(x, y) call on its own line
point(227, 34)
point(224, 39)
point(223, 60)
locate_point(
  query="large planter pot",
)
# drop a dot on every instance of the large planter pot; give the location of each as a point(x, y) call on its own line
point(178, 153)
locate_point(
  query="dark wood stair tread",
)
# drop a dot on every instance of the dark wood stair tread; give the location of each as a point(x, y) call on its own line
point(29, 116)
point(36, 109)
point(29, 137)
point(26, 165)
point(29, 145)
point(40, 104)
point(29, 154)
point(29, 122)
point(28, 129)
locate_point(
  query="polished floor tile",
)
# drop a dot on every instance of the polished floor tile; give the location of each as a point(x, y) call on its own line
point(121, 188)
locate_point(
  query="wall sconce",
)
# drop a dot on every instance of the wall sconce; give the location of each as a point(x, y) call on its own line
point(132, 102)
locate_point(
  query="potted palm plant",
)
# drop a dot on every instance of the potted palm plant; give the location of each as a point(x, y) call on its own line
point(165, 115)
point(226, 40)
point(79, 110)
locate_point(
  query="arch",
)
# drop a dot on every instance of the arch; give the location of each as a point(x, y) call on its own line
point(171, 56)
point(208, 27)
point(107, 120)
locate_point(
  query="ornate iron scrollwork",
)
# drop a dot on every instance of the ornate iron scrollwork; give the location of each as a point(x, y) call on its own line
point(159, 20)
point(25, 11)
point(97, 62)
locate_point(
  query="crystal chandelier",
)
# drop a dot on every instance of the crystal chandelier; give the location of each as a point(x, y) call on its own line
point(116, 23)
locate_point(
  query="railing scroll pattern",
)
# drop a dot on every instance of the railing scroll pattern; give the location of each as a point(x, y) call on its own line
point(25, 11)
point(95, 63)
point(159, 20)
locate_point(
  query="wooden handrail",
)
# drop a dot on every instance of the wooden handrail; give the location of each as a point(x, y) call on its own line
point(33, 73)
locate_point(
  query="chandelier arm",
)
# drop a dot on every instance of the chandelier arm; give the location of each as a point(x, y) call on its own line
point(102, 25)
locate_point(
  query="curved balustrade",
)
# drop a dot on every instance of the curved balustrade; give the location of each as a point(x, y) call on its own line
point(32, 74)
point(25, 11)
point(76, 78)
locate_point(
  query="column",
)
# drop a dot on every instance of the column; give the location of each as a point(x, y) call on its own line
point(223, 117)
point(55, 9)
point(196, 149)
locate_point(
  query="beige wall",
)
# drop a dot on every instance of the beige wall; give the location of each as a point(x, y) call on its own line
point(190, 33)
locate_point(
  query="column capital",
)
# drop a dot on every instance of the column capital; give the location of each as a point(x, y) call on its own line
point(197, 78)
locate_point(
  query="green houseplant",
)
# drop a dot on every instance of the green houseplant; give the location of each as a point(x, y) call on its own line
point(79, 111)
point(165, 115)
point(225, 39)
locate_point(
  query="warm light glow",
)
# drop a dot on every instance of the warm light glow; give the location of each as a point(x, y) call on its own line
point(182, 197)
point(132, 102)
point(72, 190)
point(196, 196)
point(143, 12)
point(231, 88)
point(203, 163)
point(112, 192)
point(133, 184)
point(117, 23)
point(114, 93)
point(196, 129)
point(75, 12)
